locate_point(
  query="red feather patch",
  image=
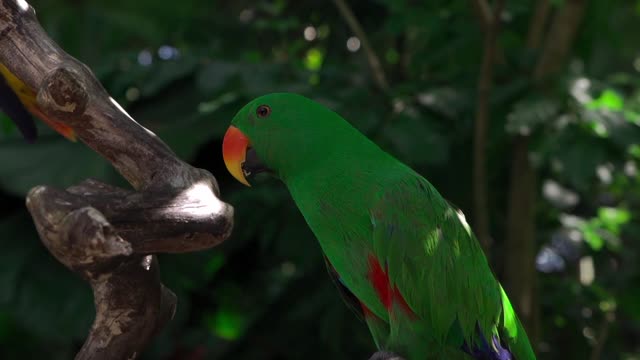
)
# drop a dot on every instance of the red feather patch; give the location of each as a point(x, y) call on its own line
point(380, 281)
point(379, 278)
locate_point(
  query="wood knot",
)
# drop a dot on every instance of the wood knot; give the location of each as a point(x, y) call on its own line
point(5, 27)
point(63, 93)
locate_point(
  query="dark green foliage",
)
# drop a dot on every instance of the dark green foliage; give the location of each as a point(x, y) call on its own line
point(264, 294)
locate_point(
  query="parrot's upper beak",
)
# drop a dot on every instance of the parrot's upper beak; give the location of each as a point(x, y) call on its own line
point(239, 156)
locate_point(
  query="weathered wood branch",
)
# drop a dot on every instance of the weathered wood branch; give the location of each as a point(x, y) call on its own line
point(68, 92)
point(106, 234)
point(150, 222)
point(131, 303)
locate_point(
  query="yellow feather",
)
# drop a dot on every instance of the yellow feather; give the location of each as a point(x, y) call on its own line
point(28, 98)
point(26, 95)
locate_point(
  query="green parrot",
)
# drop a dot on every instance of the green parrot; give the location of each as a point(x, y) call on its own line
point(400, 253)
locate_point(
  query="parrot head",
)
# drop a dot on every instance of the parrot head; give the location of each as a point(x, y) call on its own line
point(281, 134)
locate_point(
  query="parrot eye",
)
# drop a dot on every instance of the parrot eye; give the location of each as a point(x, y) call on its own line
point(263, 111)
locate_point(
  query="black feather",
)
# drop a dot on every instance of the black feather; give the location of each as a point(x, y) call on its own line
point(351, 300)
point(11, 105)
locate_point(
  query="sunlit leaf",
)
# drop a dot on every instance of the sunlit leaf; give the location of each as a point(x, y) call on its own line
point(632, 116)
point(313, 60)
point(608, 100)
point(599, 128)
point(592, 237)
point(613, 218)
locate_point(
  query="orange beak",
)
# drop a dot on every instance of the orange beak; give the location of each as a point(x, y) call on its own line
point(234, 152)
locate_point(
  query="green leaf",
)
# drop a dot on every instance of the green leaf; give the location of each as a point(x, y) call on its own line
point(613, 218)
point(608, 100)
point(592, 237)
point(314, 58)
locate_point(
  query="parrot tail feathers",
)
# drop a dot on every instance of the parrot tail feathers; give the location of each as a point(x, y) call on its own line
point(379, 328)
point(513, 332)
point(482, 350)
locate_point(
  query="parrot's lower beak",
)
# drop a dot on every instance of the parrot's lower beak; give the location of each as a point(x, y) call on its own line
point(239, 156)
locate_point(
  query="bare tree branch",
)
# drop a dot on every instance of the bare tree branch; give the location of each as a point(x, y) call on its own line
point(106, 234)
point(485, 14)
point(560, 39)
point(69, 93)
point(603, 334)
point(131, 303)
point(520, 236)
point(489, 19)
point(485, 84)
point(150, 222)
point(374, 61)
point(538, 23)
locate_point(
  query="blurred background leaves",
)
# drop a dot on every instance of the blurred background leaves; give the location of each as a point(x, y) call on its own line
point(183, 69)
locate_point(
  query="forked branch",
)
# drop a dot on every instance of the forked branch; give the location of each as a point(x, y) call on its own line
point(105, 234)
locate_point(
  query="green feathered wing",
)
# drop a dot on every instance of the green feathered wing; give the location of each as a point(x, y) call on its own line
point(438, 267)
